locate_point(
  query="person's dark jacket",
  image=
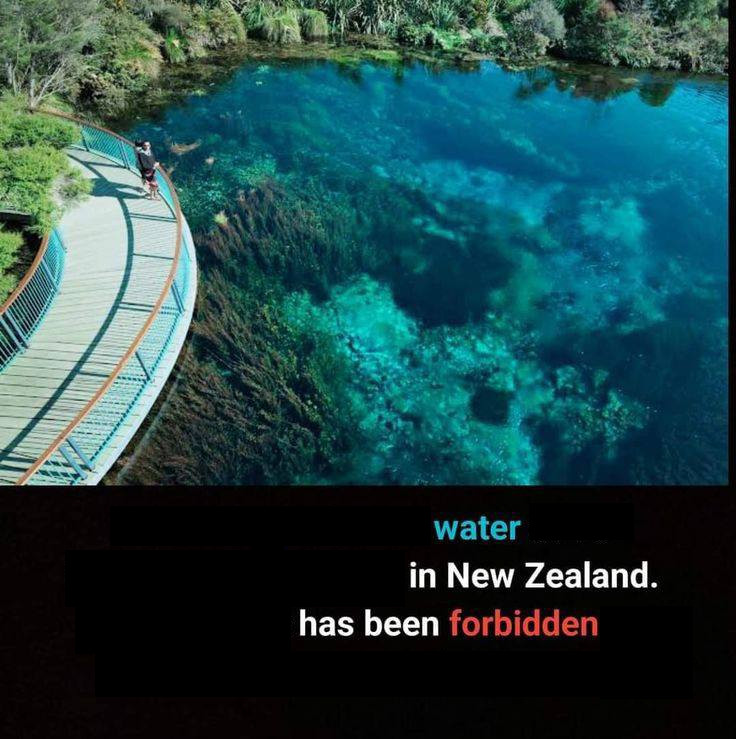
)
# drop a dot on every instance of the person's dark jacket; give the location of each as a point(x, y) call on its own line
point(146, 162)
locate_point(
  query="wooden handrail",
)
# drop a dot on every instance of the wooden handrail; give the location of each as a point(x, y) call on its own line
point(59, 440)
point(26, 277)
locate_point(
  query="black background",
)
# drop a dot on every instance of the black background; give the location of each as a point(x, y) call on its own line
point(132, 593)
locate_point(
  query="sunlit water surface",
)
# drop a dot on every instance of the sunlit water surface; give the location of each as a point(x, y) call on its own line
point(555, 308)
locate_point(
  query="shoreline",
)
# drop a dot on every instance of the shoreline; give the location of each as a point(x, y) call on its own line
point(177, 81)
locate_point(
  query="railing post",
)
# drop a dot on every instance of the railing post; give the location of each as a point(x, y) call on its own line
point(143, 365)
point(72, 462)
point(21, 346)
point(48, 274)
point(84, 138)
point(77, 449)
point(123, 154)
point(177, 297)
point(17, 330)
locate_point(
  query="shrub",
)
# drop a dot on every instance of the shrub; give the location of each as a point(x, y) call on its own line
point(313, 24)
point(171, 15)
point(527, 43)
point(631, 39)
point(672, 11)
point(701, 45)
point(123, 62)
point(35, 174)
point(174, 47)
point(479, 12)
point(443, 15)
point(283, 28)
point(214, 25)
point(10, 242)
point(379, 16)
point(484, 43)
point(413, 35)
point(17, 128)
point(542, 17)
point(507, 9)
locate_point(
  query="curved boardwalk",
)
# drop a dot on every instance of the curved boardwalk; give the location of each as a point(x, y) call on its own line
point(119, 252)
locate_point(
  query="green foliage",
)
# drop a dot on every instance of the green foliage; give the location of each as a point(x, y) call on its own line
point(507, 9)
point(701, 45)
point(428, 36)
point(535, 28)
point(478, 13)
point(672, 11)
point(123, 62)
point(379, 16)
point(484, 43)
point(107, 70)
point(174, 46)
point(35, 174)
point(10, 244)
point(313, 24)
point(542, 17)
point(282, 28)
point(41, 44)
point(635, 39)
point(17, 128)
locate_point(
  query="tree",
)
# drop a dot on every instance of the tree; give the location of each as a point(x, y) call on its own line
point(41, 43)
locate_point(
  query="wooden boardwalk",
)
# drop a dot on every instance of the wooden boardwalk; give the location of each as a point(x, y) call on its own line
point(119, 251)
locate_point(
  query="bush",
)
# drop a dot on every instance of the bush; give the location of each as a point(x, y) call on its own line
point(283, 28)
point(17, 128)
point(634, 39)
point(413, 35)
point(701, 45)
point(672, 11)
point(542, 17)
point(212, 26)
point(535, 28)
point(10, 243)
point(123, 62)
point(35, 174)
point(443, 15)
point(174, 47)
point(379, 16)
point(313, 24)
point(484, 43)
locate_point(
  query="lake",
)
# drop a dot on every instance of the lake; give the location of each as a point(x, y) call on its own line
point(473, 276)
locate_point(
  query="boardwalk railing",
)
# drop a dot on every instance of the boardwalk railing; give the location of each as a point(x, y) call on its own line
point(26, 306)
point(74, 453)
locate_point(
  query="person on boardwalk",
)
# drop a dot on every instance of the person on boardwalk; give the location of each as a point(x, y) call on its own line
point(147, 166)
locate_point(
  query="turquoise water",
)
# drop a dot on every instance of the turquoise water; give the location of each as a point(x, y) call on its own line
point(545, 296)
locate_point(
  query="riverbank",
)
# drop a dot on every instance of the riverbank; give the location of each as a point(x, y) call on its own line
point(138, 50)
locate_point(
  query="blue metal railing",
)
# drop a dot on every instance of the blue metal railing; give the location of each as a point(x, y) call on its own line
point(74, 454)
point(29, 303)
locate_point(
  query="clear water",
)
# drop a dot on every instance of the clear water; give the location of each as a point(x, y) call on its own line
point(552, 305)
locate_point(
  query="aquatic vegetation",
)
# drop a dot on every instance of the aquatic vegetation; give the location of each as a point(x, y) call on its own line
point(302, 239)
point(585, 412)
point(260, 400)
point(411, 397)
